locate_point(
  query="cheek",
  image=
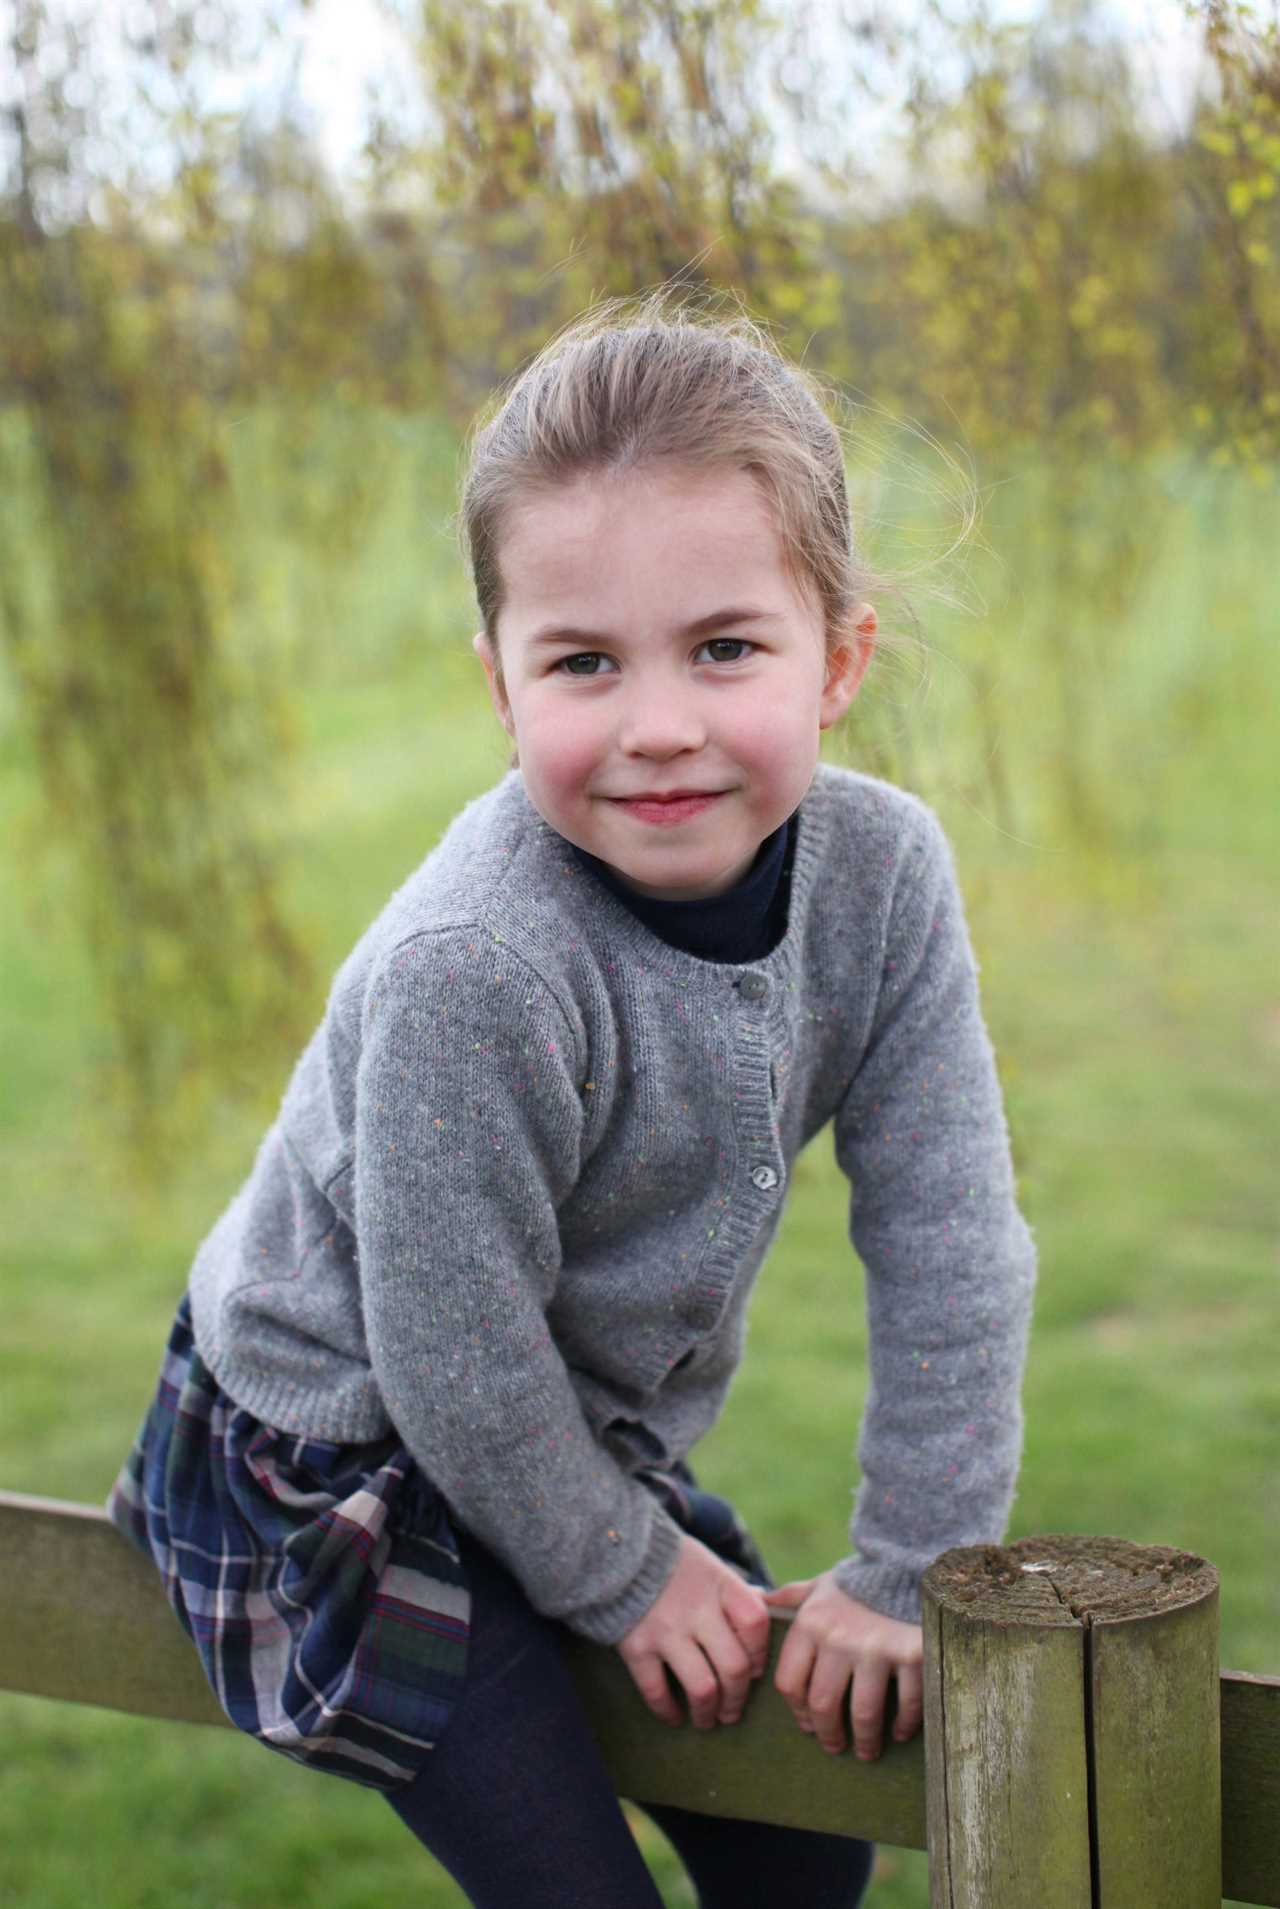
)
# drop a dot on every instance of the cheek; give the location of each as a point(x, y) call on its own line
point(780, 740)
point(559, 748)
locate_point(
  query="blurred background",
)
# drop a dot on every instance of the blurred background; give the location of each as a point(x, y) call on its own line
point(259, 265)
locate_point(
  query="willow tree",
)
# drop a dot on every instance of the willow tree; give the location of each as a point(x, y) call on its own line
point(987, 239)
point(1235, 188)
point(580, 148)
point(1038, 279)
point(155, 729)
point(1095, 305)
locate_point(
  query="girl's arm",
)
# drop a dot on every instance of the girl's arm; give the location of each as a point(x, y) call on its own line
point(469, 1126)
point(949, 1275)
point(949, 1261)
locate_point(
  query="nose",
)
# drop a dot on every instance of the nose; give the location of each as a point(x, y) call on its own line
point(660, 719)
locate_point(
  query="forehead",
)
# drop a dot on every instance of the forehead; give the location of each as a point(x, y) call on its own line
point(662, 543)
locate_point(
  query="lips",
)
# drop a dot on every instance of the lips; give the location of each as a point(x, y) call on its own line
point(667, 795)
point(669, 807)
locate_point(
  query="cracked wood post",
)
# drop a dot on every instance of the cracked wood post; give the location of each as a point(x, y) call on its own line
point(1072, 1727)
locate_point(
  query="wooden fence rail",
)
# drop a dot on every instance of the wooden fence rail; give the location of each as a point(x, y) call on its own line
point(1077, 1758)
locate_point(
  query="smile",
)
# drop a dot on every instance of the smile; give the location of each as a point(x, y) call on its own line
point(666, 810)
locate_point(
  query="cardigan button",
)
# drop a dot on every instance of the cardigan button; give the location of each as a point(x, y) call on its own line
point(764, 1178)
point(754, 987)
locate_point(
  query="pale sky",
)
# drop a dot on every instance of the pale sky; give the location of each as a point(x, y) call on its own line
point(342, 52)
point(350, 45)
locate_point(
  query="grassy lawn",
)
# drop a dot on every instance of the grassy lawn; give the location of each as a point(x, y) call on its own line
point(1130, 988)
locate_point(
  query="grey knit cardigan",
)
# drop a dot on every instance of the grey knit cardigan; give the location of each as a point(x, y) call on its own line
point(528, 1167)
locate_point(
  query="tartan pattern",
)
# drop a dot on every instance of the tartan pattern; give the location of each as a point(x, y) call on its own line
point(712, 1521)
point(319, 1582)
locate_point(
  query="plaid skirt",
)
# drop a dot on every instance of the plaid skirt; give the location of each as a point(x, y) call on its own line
point(321, 1583)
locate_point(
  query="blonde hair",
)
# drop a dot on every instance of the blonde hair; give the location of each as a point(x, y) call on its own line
point(661, 379)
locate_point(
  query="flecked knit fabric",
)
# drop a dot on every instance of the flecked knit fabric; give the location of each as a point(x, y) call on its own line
point(528, 1168)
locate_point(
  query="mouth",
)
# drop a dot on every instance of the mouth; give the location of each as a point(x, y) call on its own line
point(669, 806)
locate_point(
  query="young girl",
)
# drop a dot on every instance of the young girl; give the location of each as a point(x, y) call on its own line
point(429, 1398)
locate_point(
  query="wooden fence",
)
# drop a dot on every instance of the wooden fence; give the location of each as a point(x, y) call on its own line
point(1083, 1750)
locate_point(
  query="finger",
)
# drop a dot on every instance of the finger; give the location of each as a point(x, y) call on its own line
point(749, 1617)
point(870, 1683)
point(828, 1698)
point(910, 1678)
point(696, 1677)
point(791, 1679)
point(729, 1660)
point(649, 1675)
point(789, 1597)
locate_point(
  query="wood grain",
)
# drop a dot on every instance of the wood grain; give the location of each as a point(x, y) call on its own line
point(1073, 1737)
point(83, 1618)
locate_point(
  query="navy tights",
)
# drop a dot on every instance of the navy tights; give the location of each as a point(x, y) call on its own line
point(517, 1805)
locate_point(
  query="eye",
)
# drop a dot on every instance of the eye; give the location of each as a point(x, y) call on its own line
point(584, 663)
point(727, 649)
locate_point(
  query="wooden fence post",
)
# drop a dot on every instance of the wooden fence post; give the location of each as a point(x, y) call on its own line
point(1072, 1727)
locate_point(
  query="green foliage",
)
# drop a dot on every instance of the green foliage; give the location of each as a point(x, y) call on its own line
point(207, 353)
point(592, 148)
point(1235, 177)
point(1130, 989)
point(239, 706)
point(156, 736)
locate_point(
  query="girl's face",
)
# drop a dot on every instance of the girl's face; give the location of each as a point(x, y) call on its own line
point(663, 680)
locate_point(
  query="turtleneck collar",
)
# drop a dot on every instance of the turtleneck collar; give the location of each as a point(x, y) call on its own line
point(742, 924)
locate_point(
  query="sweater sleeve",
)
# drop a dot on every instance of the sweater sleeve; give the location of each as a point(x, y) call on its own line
point(468, 1133)
point(949, 1261)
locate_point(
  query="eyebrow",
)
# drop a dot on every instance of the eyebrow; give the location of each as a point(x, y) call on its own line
point(562, 633)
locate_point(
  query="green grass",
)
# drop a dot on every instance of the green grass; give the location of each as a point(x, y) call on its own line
point(1130, 986)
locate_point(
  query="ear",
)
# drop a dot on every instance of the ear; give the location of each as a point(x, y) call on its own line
point(847, 667)
point(492, 667)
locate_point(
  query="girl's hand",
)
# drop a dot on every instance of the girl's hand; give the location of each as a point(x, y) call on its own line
point(710, 1629)
point(833, 1642)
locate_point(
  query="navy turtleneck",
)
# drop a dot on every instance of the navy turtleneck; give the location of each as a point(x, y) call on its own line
point(741, 925)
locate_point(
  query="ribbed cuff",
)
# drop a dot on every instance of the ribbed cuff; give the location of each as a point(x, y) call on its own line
point(609, 1622)
point(892, 1590)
